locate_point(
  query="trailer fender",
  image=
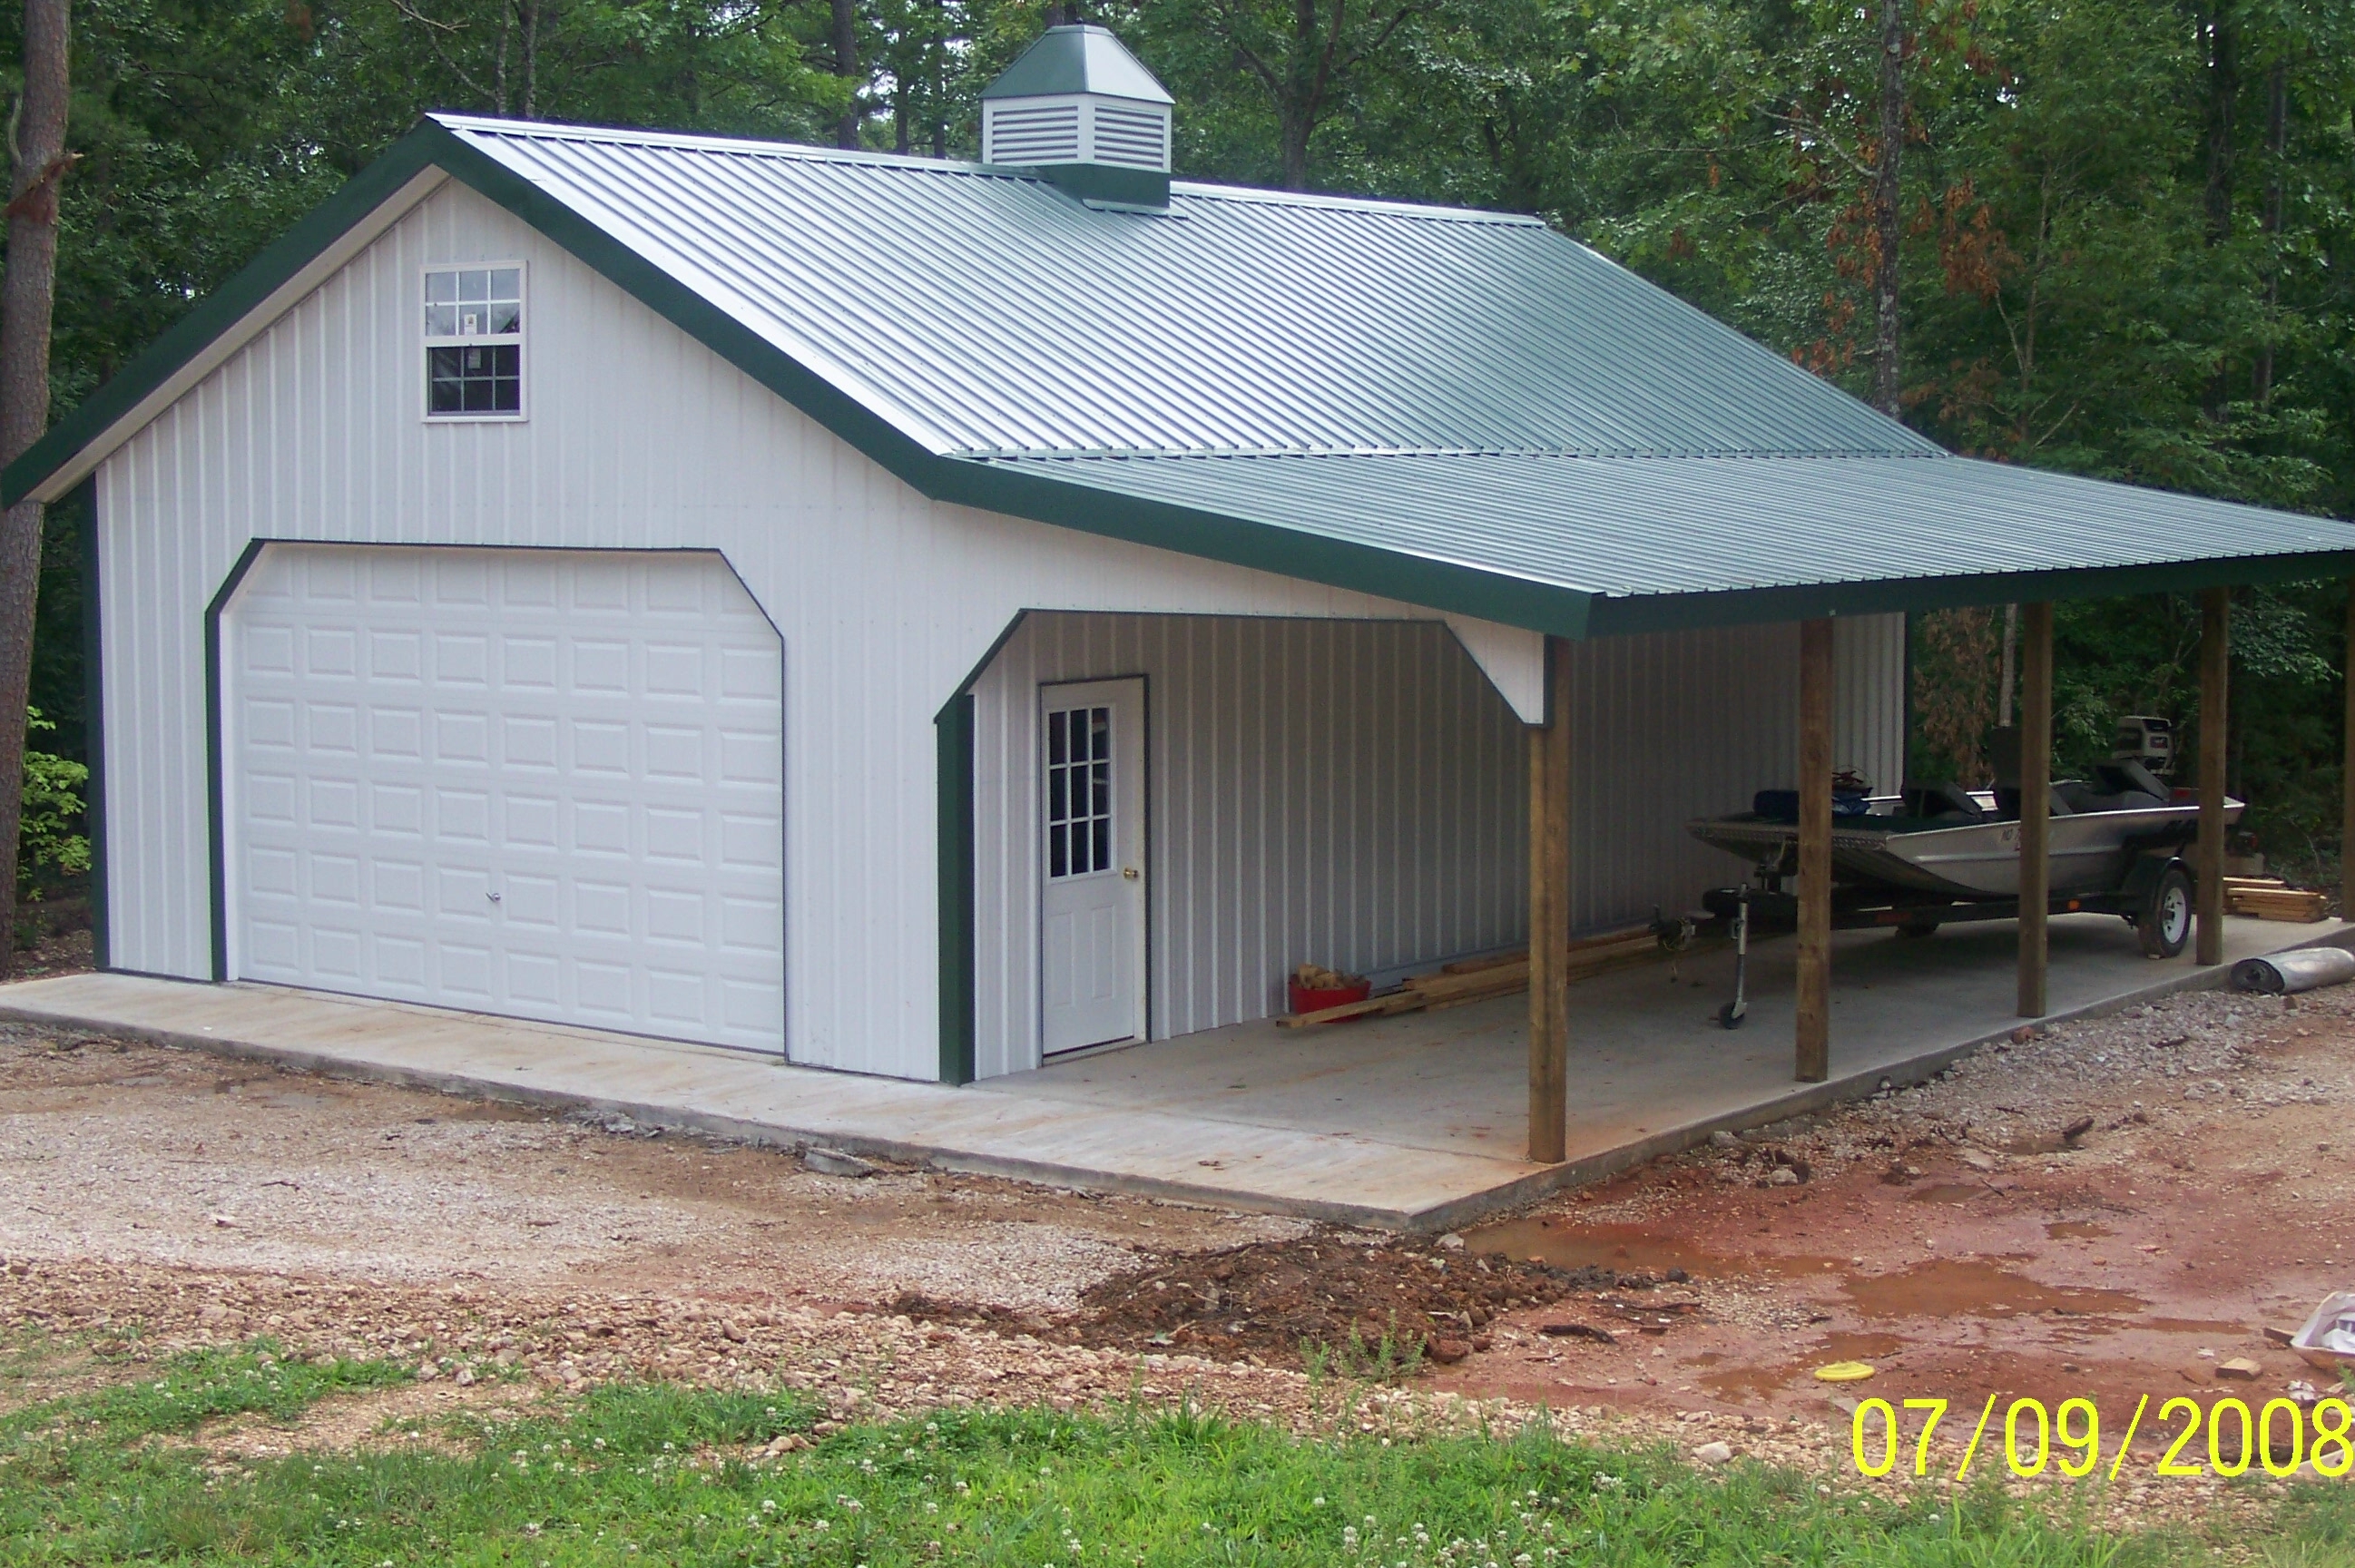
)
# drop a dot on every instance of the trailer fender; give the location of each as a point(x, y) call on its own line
point(2148, 867)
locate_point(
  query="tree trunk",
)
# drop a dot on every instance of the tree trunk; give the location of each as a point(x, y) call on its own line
point(2278, 145)
point(1293, 132)
point(2222, 38)
point(846, 65)
point(499, 99)
point(41, 162)
point(2007, 670)
point(2223, 93)
point(1886, 215)
point(531, 9)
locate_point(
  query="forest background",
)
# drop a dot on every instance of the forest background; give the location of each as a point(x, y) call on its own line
point(2127, 225)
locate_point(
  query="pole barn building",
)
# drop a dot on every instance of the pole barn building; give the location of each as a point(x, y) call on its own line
point(919, 617)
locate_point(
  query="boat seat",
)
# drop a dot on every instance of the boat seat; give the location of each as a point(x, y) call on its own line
point(1947, 802)
point(2007, 803)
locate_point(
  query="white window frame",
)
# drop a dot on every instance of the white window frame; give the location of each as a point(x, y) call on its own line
point(426, 343)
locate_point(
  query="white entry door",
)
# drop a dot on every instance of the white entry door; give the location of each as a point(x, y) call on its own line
point(1091, 899)
point(546, 783)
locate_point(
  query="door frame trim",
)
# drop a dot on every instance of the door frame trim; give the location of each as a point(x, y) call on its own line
point(1144, 998)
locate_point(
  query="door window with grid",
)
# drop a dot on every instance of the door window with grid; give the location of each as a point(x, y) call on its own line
point(474, 342)
point(1079, 791)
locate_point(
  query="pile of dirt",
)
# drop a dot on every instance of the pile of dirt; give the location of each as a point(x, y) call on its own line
point(1273, 1301)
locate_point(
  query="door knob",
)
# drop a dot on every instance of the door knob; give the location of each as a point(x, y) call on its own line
point(1130, 872)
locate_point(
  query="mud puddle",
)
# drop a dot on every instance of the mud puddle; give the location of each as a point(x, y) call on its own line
point(1970, 1287)
point(1625, 1249)
point(1947, 1192)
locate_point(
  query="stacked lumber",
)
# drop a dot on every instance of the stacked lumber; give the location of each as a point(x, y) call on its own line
point(1500, 975)
point(2270, 898)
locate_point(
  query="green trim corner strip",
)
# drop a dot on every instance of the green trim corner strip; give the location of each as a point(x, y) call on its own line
point(953, 736)
point(93, 721)
point(215, 788)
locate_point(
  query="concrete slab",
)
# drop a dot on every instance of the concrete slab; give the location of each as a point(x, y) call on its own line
point(1408, 1123)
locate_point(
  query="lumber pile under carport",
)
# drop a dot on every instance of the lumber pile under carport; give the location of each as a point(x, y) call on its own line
point(1478, 979)
point(2270, 898)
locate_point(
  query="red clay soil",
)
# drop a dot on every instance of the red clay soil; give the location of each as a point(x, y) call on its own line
point(1960, 1242)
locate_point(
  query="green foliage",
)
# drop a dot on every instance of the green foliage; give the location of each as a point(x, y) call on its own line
point(657, 1474)
point(2129, 246)
point(48, 840)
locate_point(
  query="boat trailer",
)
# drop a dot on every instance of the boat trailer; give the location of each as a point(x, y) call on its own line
point(2155, 898)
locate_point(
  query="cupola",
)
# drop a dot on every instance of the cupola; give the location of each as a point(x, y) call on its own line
point(1081, 110)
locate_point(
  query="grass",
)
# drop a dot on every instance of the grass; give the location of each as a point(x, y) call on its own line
point(654, 1473)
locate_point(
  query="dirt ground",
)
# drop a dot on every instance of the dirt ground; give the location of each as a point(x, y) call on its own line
point(1958, 1238)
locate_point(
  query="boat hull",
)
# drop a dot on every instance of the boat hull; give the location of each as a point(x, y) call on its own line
point(2090, 852)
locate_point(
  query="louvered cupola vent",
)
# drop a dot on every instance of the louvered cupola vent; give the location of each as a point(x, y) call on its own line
point(1081, 110)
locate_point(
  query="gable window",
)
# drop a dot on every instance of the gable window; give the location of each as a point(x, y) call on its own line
point(474, 342)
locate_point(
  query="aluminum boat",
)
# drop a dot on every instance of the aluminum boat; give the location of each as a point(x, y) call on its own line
point(1897, 844)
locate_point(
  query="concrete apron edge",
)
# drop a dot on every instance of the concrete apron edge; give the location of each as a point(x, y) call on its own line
point(1447, 1215)
point(677, 1118)
point(1805, 1098)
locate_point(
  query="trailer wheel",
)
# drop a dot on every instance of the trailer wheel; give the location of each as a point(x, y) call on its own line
point(2164, 922)
point(1916, 929)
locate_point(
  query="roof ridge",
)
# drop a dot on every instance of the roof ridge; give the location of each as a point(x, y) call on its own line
point(805, 152)
point(1624, 454)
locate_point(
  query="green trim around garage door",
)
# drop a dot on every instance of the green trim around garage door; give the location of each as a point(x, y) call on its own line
point(216, 788)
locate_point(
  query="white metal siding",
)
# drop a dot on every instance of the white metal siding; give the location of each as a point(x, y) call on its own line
point(546, 783)
point(1351, 793)
point(639, 438)
point(1677, 725)
point(1868, 700)
point(1355, 794)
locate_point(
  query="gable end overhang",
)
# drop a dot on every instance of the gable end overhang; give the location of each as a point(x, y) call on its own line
point(373, 200)
point(226, 320)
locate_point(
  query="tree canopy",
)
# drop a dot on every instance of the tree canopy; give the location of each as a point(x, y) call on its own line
point(2128, 226)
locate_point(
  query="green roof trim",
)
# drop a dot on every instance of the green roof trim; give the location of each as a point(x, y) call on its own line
point(222, 309)
point(1079, 57)
point(1874, 520)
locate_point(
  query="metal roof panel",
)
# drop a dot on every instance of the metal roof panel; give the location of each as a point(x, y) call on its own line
point(984, 312)
point(1636, 529)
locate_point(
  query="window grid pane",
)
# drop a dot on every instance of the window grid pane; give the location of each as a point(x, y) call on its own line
point(473, 327)
point(1079, 791)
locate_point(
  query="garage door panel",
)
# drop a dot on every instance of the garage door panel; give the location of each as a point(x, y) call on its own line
point(544, 783)
point(395, 657)
point(399, 963)
point(396, 735)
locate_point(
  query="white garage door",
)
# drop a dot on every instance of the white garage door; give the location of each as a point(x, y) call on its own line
point(546, 783)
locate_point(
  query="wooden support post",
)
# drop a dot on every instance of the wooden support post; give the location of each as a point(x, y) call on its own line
point(1549, 915)
point(2215, 681)
point(2035, 802)
point(1815, 1026)
point(2346, 777)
